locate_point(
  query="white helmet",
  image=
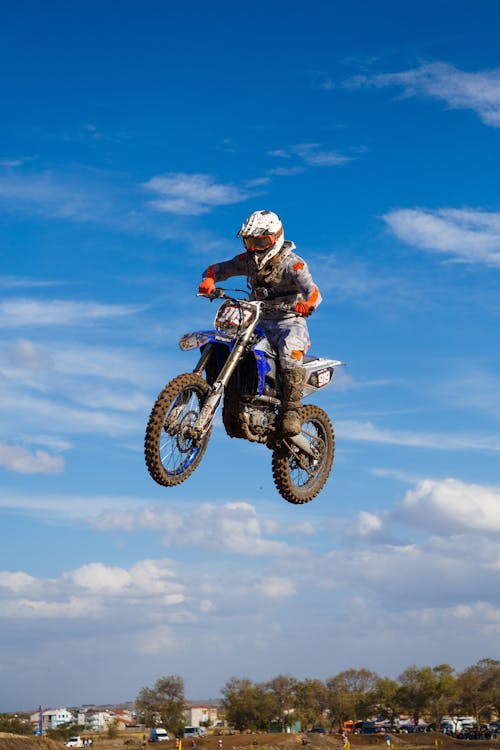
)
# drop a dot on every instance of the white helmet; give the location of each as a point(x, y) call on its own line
point(262, 234)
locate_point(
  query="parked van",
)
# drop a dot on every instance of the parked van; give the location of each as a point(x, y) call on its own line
point(158, 734)
point(74, 742)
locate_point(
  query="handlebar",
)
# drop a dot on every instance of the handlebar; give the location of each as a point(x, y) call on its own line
point(220, 293)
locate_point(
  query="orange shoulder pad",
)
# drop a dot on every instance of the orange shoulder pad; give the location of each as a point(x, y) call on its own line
point(298, 265)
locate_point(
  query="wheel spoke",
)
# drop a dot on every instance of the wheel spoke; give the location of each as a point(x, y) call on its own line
point(175, 451)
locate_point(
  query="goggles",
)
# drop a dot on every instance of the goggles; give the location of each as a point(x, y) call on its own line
point(260, 243)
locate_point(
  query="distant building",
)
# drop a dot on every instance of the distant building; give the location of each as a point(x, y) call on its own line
point(53, 718)
point(99, 721)
point(197, 716)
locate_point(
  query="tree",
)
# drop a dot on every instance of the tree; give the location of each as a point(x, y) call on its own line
point(240, 700)
point(348, 694)
point(280, 690)
point(163, 704)
point(384, 699)
point(417, 687)
point(444, 695)
point(311, 702)
point(479, 689)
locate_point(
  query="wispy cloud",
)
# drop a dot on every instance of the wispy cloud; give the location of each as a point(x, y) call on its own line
point(50, 195)
point(479, 91)
point(473, 388)
point(468, 235)
point(22, 282)
point(369, 433)
point(314, 156)
point(20, 313)
point(191, 194)
point(310, 154)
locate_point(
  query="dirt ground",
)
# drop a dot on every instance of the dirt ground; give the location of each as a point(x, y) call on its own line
point(262, 741)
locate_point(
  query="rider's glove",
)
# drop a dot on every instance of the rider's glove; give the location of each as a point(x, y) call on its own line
point(207, 286)
point(304, 308)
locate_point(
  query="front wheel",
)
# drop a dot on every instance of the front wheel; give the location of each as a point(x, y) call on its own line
point(171, 449)
point(298, 476)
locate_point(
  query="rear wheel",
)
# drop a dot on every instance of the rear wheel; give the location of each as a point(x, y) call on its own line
point(298, 476)
point(171, 449)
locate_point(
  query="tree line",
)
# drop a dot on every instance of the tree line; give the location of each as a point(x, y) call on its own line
point(354, 694)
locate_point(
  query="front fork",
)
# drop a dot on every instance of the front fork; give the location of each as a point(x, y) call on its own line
point(207, 412)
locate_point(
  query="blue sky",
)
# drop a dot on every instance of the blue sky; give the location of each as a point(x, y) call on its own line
point(135, 138)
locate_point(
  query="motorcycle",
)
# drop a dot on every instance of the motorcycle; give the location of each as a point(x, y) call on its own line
point(237, 366)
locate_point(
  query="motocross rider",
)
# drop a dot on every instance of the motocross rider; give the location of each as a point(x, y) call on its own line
point(277, 274)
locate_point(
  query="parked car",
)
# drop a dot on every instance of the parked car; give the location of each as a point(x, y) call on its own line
point(195, 732)
point(74, 742)
point(158, 734)
point(317, 730)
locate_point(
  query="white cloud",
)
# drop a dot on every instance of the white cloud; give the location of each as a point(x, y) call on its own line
point(146, 578)
point(368, 523)
point(468, 235)
point(149, 519)
point(233, 527)
point(18, 459)
point(99, 578)
point(368, 432)
point(460, 90)
point(191, 194)
point(450, 507)
point(18, 313)
point(17, 582)
point(39, 609)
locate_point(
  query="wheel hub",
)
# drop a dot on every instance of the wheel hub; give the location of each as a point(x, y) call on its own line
point(185, 432)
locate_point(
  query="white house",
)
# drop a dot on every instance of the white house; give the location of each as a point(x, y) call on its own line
point(53, 718)
point(196, 716)
point(98, 721)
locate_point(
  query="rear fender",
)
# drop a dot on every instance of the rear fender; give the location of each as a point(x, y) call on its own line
point(319, 373)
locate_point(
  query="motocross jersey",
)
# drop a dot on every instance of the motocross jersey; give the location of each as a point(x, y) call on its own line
point(285, 278)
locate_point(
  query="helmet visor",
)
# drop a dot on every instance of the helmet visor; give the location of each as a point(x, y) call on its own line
point(260, 243)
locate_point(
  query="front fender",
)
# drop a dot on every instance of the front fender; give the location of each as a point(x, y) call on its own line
point(200, 338)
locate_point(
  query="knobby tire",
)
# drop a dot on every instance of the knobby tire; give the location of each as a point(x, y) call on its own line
point(179, 392)
point(299, 486)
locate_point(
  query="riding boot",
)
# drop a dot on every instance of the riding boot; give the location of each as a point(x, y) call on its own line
point(293, 382)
